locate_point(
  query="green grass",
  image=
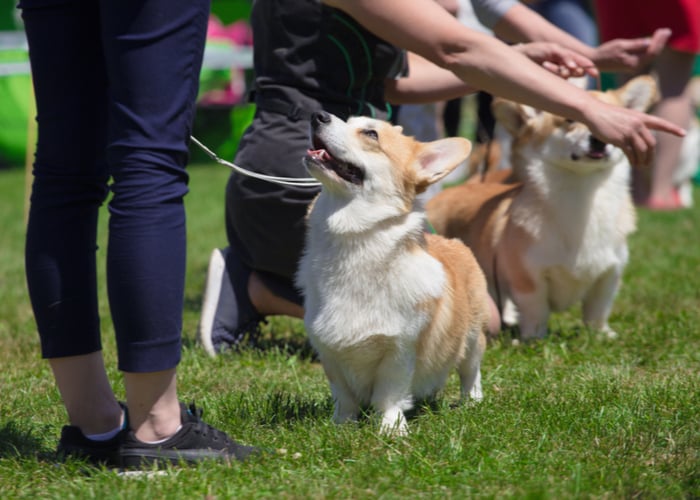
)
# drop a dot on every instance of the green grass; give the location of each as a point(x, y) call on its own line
point(572, 416)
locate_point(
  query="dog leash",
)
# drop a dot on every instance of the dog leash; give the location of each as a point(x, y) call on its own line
point(287, 181)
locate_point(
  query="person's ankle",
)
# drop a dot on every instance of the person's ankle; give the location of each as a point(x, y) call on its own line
point(162, 440)
point(157, 425)
point(100, 420)
point(157, 430)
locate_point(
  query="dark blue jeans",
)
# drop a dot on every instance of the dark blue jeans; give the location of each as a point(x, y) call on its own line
point(115, 85)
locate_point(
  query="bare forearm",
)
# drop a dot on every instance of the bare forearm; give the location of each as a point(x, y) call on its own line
point(425, 83)
point(480, 60)
point(423, 27)
point(502, 71)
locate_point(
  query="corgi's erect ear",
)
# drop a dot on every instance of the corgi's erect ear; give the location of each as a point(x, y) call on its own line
point(511, 115)
point(438, 158)
point(639, 93)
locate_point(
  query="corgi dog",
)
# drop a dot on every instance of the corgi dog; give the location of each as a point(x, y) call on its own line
point(558, 236)
point(390, 309)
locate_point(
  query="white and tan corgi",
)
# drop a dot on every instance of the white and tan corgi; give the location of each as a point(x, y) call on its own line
point(389, 309)
point(559, 236)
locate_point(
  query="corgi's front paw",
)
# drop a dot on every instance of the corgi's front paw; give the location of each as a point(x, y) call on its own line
point(609, 332)
point(341, 417)
point(394, 423)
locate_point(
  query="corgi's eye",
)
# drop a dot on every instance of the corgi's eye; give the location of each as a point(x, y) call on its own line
point(371, 133)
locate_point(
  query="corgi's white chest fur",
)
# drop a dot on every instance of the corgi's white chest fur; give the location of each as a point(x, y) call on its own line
point(580, 230)
point(369, 276)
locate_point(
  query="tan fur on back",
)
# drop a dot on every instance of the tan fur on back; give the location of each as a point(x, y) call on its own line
point(443, 342)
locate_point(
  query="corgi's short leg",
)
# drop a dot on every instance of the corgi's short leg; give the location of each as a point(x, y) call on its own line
point(471, 384)
point(391, 395)
point(509, 314)
point(469, 369)
point(533, 309)
point(476, 393)
point(346, 406)
point(598, 302)
point(394, 422)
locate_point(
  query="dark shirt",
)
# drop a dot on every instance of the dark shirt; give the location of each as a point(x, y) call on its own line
point(306, 53)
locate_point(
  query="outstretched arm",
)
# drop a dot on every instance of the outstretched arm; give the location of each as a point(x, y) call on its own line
point(423, 27)
point(427, 82)
point(522, 24)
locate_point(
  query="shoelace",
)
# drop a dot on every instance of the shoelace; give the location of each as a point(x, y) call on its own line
point(203, 428)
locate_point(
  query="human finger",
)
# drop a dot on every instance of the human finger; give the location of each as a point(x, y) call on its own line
point(638, 151)
point(564, 71)
point(643, 152)
point(656, 123)
point(553, 68)
point(578, 63)
point(631, 154)
point(650, 142)
point(592, 71)
point(658, 40)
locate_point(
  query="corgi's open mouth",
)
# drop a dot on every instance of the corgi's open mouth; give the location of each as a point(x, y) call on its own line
point(344, 170)
point(597, 150)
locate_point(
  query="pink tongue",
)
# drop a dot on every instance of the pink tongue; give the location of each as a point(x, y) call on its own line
point(319, 154)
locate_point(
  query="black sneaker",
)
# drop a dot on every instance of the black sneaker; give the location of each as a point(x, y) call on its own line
point(74, 444)
point(228, 318)
point(194, 442)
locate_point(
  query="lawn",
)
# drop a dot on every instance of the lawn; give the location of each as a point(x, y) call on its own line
point(571, 416)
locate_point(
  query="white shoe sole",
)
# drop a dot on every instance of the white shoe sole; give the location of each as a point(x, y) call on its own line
point(210, 301)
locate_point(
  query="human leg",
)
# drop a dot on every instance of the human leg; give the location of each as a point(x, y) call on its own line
point(91, 406)
point(153, 85)
point(70, 184)
point(267, 302)
point(674, 69)
point(153, 52)
point(154, 409)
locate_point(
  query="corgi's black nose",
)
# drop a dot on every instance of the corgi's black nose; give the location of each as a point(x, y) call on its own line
point(320, 117)
point(596, 145)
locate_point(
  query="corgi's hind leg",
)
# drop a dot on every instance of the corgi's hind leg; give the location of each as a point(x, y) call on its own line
point(533, 308)
point(469, 369)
